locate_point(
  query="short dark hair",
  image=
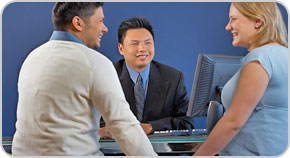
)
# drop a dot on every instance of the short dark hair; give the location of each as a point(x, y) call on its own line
point(63, 12)
point(133, 23)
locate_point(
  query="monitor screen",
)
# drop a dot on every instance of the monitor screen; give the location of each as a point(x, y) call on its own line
point(211, 74)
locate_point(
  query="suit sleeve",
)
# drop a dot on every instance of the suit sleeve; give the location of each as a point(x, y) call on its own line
point(178, 119)
point(110, 101)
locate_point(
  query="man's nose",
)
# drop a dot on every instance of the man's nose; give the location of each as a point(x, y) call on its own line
point(141, 47)
point(105, 29)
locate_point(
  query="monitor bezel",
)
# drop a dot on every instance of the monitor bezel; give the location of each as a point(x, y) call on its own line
point(213, 59)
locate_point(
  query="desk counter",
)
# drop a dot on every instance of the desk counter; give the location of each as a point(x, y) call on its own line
point(161, 144)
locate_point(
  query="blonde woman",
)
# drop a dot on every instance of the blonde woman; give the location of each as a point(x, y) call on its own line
point(256, 97)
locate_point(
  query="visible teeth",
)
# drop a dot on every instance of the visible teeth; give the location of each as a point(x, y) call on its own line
point(235, 34)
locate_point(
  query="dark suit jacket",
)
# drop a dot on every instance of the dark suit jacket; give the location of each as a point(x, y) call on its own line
point(166, 99)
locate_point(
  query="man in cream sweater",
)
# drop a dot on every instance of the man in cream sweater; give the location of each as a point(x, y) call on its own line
point(65, 86)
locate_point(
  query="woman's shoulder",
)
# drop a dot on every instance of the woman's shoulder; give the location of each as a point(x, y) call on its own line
point(271, 49)
point(271, 57)
point(267, 51)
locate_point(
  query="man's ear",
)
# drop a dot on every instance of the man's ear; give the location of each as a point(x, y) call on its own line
point(121, 48)
point(78, 23)
point(258, 24)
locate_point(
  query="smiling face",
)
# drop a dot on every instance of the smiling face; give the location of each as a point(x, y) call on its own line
point(95, 29)
point(242, 28)
point(137, 48)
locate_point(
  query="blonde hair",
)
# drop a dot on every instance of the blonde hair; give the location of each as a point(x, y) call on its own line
point(273, 28)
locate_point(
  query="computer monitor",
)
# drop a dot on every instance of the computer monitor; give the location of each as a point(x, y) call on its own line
point(211, 74)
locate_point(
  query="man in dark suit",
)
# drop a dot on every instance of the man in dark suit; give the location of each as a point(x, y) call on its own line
point(164, 101)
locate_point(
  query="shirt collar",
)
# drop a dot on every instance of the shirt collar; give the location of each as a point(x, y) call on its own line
point(65, 36)
point(134, 74)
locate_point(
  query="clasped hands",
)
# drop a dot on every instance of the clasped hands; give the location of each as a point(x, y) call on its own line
point(105, 133)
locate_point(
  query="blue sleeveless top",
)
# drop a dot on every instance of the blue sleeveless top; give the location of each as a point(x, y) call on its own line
point(266, 131)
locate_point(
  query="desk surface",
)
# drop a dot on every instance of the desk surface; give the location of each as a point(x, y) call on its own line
point(163, 144)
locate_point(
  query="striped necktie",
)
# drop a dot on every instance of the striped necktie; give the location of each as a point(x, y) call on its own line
point(139, 93)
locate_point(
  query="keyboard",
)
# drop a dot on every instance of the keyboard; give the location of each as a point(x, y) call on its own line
point(179, 133)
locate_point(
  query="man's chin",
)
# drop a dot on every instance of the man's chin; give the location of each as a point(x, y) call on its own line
point(143, 66)
point(98, 45)
point(95, 47)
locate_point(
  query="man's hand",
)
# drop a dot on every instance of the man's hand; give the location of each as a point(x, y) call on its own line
point(147, 128)
point(104, 133)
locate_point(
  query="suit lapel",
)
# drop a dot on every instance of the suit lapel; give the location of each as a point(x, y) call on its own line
point(127, 85)
point(156, 92)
